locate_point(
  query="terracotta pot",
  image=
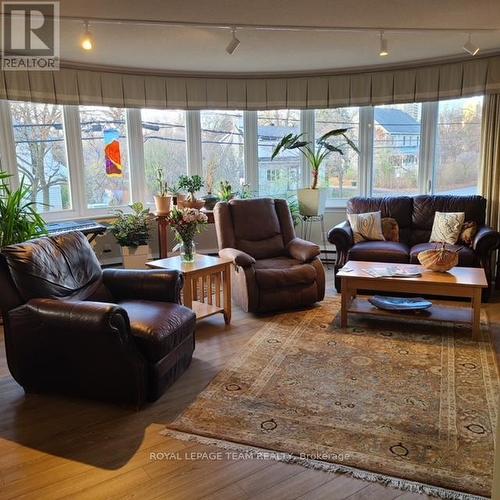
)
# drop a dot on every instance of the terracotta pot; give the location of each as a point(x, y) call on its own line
point(438, 259)
point(191, 204)
point(162, 204)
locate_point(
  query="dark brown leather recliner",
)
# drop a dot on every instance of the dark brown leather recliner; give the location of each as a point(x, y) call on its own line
point(116, 335)
point(415, 217)
point(273, 269)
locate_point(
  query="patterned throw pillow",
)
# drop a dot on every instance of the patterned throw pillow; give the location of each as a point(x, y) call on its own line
point(468, 233)
point(366, 227)
point(390, 229)
point(446, 227)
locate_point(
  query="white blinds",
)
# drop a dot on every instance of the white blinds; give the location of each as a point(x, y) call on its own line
point(426, 83)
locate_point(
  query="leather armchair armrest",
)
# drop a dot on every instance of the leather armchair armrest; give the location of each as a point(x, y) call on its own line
point(155, 284)
point(486, 240)
point(341, 236)
point(238, 257)
point(302, 250)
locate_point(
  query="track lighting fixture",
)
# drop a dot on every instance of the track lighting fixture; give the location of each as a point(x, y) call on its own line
point(470, 47)
point(233, 44)
point(87, 41)
point(384, 50)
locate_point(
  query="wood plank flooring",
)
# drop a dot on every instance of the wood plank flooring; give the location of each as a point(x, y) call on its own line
point(53, 447)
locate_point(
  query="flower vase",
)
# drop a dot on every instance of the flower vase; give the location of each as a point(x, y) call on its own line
point(188, 251)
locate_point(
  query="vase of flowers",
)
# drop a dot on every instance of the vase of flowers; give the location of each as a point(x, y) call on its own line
point(186, 223)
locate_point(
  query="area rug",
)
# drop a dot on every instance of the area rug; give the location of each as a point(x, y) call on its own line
point(408, 404)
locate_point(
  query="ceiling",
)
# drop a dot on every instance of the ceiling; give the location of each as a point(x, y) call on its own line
point(202, 50)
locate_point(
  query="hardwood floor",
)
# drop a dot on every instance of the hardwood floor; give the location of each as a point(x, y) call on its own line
point(53, 447)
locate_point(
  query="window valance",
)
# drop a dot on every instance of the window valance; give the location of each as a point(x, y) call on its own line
point(133, 90)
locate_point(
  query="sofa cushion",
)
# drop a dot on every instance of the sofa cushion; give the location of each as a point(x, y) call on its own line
point(466, 256)
point(397, 207)
point(366, 227)
point(158, 327)
point(380, 251)
point(283, 272)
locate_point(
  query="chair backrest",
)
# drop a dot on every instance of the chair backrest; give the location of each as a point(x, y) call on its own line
point(397, 207)
point(63, 266)
point(261, 227)
point(425, 206)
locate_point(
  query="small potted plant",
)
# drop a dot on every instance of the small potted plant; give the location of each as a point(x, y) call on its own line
point(175, 193)
point(312, 200)
point(190, 184)
point(131, 231)
point(162, 199)
point(225, 191)
point(210, 199)
point(186, 223)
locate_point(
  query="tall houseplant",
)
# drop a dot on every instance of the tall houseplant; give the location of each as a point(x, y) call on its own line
point(131, 231)
point(162, 198)
point(19, 219)
point(312, 200)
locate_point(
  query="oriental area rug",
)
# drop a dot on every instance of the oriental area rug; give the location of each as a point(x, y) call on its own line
point(412, 405)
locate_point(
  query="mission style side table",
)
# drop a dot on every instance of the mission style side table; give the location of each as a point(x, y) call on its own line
point(207, 284)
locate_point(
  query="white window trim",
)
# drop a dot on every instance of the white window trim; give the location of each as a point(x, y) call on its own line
point(136, 156)
point(193, 143)
point(251, 150)
point(427, 150)
point(7, 144)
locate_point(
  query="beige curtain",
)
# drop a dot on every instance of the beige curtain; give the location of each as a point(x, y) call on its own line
point(490, 159)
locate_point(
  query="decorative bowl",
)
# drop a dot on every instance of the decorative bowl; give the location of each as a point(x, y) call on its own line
point(191, 204)
point(438, 259)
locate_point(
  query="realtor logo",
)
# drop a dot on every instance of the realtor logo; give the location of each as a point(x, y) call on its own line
point(30, 36)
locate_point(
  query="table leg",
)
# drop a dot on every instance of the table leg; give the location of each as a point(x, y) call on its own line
point(226, 278)
point(187, 292)
point(344, 303)
point(476, 314)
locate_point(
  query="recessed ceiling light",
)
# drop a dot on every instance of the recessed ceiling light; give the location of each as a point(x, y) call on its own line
point(233, 44)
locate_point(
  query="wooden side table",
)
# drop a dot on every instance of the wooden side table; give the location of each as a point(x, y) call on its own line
point(207, 284)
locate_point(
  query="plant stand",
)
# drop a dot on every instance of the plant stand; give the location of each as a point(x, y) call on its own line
point(306, 230)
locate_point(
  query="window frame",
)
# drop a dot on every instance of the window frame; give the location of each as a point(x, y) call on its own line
point(135, 149)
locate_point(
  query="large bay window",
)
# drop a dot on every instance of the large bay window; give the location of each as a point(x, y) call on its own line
point(88, 160)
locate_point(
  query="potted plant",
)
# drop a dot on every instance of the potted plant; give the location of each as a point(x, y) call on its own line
point(19, 219)
point(191, 184)
point(225, 191)
point(131, 231)
point(210, 199)
point(312, 200)
point(175, 193)
point(162, 199)
point(186, 223)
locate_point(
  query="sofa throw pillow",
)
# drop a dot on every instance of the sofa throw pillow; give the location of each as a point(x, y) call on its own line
point(446, 227)
point(390, 229)
point(366, 227)
point(468, 233)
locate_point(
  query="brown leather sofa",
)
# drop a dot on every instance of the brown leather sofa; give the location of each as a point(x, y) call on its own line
point(415, 216)
point(117, 335)
point(273, 269)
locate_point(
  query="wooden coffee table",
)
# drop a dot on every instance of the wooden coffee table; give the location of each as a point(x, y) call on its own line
point(207, 284)
point(465, 282)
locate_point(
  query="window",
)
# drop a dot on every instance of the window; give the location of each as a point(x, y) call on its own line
point(103, 187)
point(41, 154)
point(396, 149)
point(164, 136)
point(222, 140)
point(458, 146)
point(281, 176)
point(339, 173)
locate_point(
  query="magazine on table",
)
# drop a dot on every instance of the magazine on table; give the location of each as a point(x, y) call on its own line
point(393, 272)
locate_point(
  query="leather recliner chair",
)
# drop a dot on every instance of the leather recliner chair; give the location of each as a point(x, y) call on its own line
point(116, 335)
point(415, 216)
point(273, 269)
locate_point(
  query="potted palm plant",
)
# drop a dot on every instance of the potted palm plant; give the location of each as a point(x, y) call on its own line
point(162, 199)
point(312, 200)
point(191, 184)
point(131, 231)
